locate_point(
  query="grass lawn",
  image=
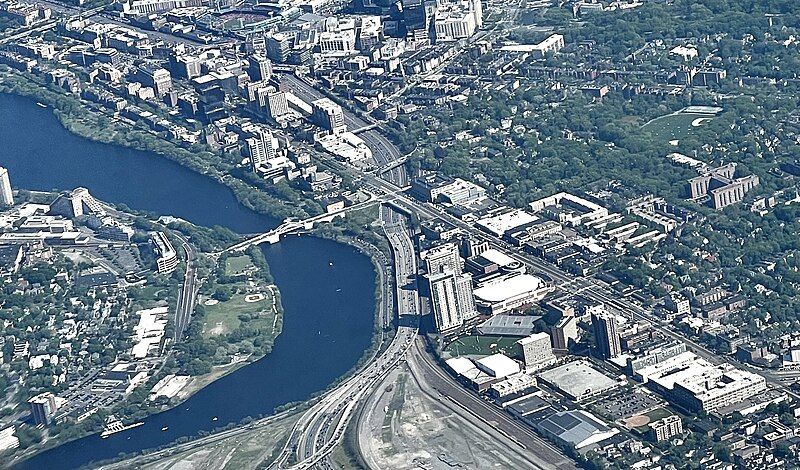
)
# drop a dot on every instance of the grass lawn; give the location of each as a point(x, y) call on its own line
point(673, 126)
point(223, 317)
point(236, 265)
point(482, 345)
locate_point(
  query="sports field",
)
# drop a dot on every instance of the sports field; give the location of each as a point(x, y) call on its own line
point(675, 126)
point(224, 317)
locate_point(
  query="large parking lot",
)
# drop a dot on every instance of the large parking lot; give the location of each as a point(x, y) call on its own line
point(626, 403)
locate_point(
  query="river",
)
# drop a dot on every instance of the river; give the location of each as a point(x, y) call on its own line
point(324, 333)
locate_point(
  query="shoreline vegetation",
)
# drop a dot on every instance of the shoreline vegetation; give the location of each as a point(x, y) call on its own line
point(379, 341)
point(91, 122)
point(137, 405)
point(74, 116)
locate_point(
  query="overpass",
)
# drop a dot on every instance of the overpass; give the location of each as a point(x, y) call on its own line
point(392, 165)
point(365, 128)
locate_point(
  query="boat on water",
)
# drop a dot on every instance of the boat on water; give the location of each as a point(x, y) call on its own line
point(164, 428)
point(114, 425)
point(41, 105)
point(214, 418)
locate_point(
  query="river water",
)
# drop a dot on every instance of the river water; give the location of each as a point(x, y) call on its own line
point(326, 287)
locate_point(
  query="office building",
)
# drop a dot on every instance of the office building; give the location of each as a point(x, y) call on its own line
point(328, 115)
point(471, 247)
point(549, 46)
point(158, 79)
point(278, 47)
point(43, 406)
point(452, 25)
point(666, 428)
point(337, 41)
point(417, 14)
point(261, 147)
point(536, 351)
point(6, 195)
point(260, 68)
point(452, 299)
point(441, 258)
point(653, 355)
point(691, 382)
point(186, 66)
point(277, 105)
point(606, 336)
point(436, 187)
point(564, 333)
point(211, 102)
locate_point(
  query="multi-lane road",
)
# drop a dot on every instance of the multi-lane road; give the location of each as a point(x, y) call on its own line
point(322, 427)
point(187, 298)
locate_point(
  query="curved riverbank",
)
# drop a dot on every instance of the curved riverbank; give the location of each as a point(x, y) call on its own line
point(98, 125)
point(324, 334)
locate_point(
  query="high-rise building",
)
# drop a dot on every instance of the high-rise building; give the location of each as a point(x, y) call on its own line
point(278, 47)
point(564, 332)
point(277, 104)
point(443, 258)
point(417, 14)
point(536, 351)
point(606, 336)
point(452, 299)
point(211, 102)
point(328, 115)
point(262, 147)
point(260, 68)
point(43, 406)
point(6, 196)
point(477, 12)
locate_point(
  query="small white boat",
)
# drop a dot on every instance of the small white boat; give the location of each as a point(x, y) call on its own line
point(164, 428)
point(330, 264)
point(214, 418)
point(41, 105)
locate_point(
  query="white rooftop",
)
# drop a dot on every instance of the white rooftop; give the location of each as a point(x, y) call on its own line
point(497, 257)
point(502, 223)
point(498, 365)
point(509, 287)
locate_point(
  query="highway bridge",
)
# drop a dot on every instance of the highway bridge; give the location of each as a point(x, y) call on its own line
point(289, 226)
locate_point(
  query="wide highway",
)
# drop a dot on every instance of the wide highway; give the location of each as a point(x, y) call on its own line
point(322, 427)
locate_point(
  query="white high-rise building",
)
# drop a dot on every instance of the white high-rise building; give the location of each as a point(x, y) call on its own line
point(452, 299)
point(261, 148)
point(277, 104)
point(6, 196)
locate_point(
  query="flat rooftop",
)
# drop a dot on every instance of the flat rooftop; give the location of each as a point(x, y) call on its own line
point(509, 325)
point(577, 379)
point(509, 288)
